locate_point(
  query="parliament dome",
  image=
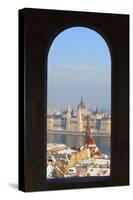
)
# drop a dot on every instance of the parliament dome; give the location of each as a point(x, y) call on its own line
point(81, 104)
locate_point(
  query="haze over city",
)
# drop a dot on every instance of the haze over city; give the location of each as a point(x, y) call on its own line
point(79, 64)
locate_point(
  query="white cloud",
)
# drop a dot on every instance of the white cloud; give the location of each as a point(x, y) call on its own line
point(79, 72)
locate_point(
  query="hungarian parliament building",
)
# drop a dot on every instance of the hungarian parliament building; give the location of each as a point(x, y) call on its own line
point(69, 121)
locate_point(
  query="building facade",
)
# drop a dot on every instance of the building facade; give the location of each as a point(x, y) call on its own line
point(76, 122)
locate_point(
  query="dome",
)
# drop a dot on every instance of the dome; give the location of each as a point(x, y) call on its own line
point(81, 105)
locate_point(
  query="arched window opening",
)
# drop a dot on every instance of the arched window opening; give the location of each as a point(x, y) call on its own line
point(78, 105)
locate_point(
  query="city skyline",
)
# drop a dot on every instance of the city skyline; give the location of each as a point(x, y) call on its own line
point(74, 108)
point(79, 64)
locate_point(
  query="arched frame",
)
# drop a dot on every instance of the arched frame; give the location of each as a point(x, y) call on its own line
point(37, 30)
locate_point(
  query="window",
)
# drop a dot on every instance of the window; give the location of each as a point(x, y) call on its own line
point(79, 105)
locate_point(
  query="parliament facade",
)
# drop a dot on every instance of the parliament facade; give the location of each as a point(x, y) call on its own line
point(76, 122)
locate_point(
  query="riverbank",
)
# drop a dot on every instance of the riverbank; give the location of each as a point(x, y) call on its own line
point(77, 133)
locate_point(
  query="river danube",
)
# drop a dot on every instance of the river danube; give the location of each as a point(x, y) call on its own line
point(103, 142)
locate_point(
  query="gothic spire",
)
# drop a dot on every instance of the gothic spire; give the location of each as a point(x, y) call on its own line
point(88, 126)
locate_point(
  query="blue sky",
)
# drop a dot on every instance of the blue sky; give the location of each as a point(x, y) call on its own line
point(79, 64)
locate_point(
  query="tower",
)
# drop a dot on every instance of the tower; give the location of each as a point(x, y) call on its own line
point(89, 139)
point(95, 152)
point(79, 120)
point(68, 118)
point(88, 126)
point(82, 108)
